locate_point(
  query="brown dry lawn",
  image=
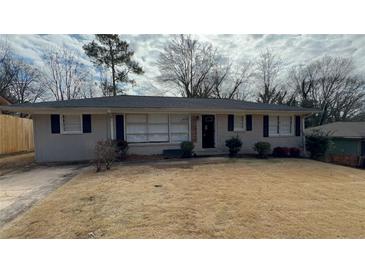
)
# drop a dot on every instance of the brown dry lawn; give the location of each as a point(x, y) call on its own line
point(14, 161)
point(240, 198)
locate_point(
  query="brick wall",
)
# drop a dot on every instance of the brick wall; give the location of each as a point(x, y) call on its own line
point(347, 160)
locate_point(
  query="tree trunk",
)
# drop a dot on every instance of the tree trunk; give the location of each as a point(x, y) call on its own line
point(113, 68)
point(113, 78)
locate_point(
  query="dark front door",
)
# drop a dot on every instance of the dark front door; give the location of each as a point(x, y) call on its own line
point(208, 131)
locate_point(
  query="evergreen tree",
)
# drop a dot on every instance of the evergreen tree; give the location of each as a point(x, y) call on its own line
point(109, 51)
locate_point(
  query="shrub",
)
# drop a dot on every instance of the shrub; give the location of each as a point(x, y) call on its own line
point(263, 149)
point(294, 152)
point(317, 144)
point(280, 152)
point(105, 153)
point(187, 149)
point(122, 149)
point(234, 145)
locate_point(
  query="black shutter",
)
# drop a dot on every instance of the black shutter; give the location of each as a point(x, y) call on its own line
point(248, 122)
point(55, 123)
point(297, 125)
point(230, 122)
point(266, 126)
point(119, 127)
point(86, 123)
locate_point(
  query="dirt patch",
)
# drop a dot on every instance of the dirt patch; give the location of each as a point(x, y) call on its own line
point(240, 198)
point(20, 161)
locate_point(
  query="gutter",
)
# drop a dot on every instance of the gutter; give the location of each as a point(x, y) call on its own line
point(103, 110)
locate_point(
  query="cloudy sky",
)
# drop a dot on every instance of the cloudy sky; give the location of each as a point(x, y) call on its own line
point(293, 49)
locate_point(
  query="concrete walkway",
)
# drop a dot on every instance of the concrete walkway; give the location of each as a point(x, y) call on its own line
point(20, 189)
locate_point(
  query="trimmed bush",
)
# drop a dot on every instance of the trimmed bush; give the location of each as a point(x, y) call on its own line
point(187, 149)
point(122, 149)
point(105, 153)
point(280, 152)
point(294, 152)
point(317, 144)
point(263, 149)
point(234, 145)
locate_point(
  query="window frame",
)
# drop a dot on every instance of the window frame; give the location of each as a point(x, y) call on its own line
point(279, 124)
point(239, 129)
point(125, 115)
point(63, 131)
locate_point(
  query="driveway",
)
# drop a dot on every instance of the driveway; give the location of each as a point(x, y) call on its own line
point(21, 188)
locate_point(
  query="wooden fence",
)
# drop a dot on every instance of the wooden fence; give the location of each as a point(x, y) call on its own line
point(16, 134)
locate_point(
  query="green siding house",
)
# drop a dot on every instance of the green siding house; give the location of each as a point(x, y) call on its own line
point(348, 140)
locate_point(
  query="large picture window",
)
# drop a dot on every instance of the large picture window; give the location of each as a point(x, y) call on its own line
point(280, 125)
point(179, 128)
point(157, 128)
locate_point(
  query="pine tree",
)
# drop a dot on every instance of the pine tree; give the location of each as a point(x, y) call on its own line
point(109, 51)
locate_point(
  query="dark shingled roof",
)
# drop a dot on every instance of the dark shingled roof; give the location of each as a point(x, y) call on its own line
point(128, 101)
point(341, 129)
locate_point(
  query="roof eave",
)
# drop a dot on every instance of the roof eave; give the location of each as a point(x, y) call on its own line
point(48, 110)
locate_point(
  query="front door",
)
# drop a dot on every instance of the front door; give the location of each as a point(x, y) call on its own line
point(208, 131)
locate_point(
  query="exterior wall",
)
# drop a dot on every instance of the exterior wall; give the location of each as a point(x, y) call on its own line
point(345, 146)
point(248, 138)
point(77, 147)
point(67, 147)
point(150, 149)
point(345, 151)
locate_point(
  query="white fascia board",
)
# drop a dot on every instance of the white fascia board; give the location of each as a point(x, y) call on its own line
point(103, 110)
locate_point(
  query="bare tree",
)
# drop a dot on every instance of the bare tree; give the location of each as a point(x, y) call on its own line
point(186, 64)
point(65, 76)
point(330, 85)
point(6, 70)
point(302, 82)
point(198, 70)
point(26, 85)
point(105, 85)
point(268, 67)
point(229, 82)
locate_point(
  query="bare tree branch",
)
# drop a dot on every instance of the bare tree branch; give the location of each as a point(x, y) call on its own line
point(65, 76)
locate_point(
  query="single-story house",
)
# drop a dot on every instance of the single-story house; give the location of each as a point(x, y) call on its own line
point(348, 142)
point(4, 102)
point(69, 130)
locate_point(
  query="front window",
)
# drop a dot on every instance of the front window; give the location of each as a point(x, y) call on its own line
point(71, 124)
point(239, 123)
point(280, 125)
point(157, 128)
point(179, 128)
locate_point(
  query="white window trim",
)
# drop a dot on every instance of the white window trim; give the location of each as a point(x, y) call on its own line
point(112, 122)
point(169, 142)
point(71, 132)
point(235, 129)
point(292, 129)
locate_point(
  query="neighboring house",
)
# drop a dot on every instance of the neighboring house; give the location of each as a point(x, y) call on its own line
point(3, 102)
point(69, 130)
point(348, 140)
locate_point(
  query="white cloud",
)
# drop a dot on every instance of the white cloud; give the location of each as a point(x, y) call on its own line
point(293, 49)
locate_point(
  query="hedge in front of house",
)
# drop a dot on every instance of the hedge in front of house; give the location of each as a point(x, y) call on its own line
point(234, 145)
point(263, 149)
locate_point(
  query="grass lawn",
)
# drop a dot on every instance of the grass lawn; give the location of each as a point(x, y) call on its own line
point(10, 162)
point(239, 198)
